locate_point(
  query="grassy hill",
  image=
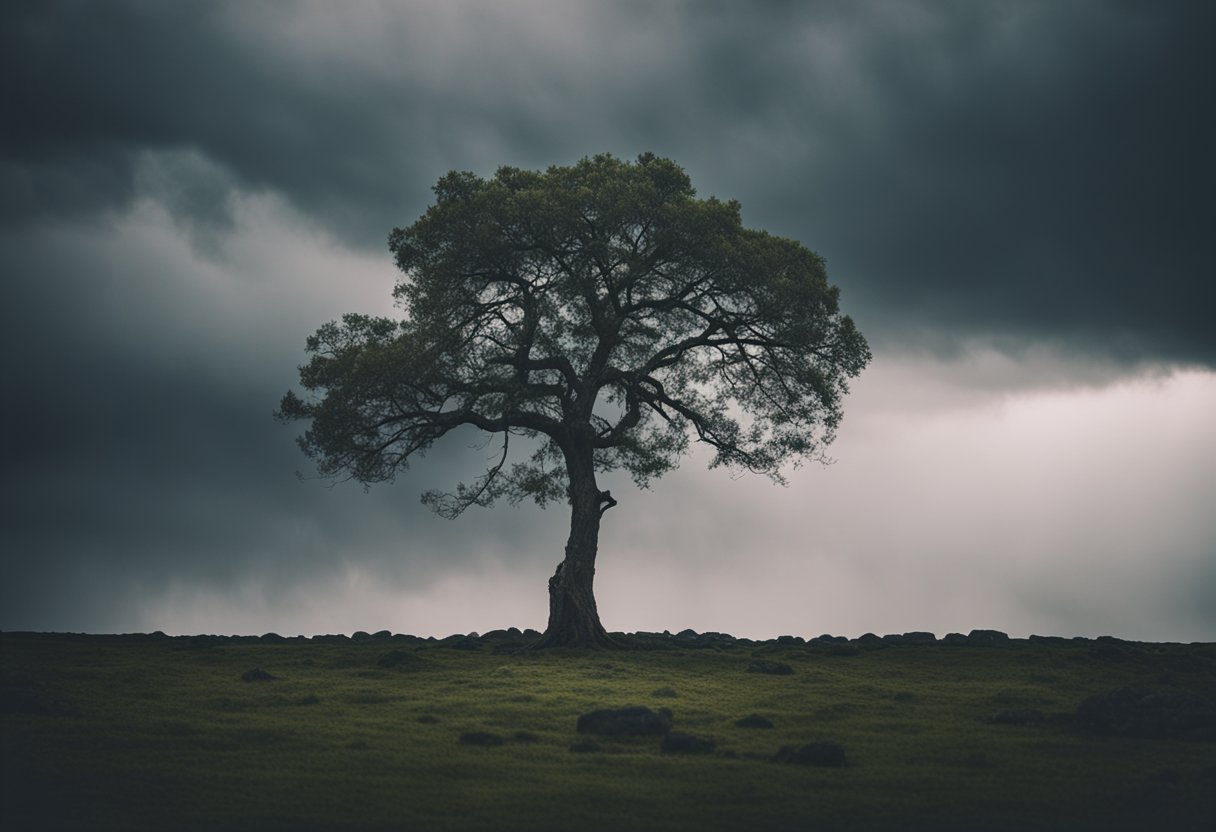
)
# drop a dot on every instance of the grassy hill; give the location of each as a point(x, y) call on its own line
point(399, 733)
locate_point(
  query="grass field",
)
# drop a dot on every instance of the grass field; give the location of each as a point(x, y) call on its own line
point(103, 732)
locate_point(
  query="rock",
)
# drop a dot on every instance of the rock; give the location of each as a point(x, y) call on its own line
point(955, 640)
point(678, 742)
point(480, 738)
point(1048, 640)
point(338, 638)
point(870, 640)
point(987, 638)
point(585, 746)
point(1140, 712)
point(380, 635)
point(272, 638)
point(770, 667)
point(790, 640)
point(1018, 716)
point(917, 637)
point(360, 636)
point(753, 721)
point(686, 635)
point(633, 720)
point(824, 753)
point(257, 675)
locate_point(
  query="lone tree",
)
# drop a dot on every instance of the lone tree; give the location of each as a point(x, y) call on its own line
point(605, 316)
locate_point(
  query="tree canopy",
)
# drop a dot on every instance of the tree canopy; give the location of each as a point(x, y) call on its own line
point(602, 313)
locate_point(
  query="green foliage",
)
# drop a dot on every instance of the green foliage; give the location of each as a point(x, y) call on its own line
point(149, 737)
point(600, 305)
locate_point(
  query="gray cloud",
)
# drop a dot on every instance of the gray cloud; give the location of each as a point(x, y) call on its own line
point(1018, 194)
point(1039, 171)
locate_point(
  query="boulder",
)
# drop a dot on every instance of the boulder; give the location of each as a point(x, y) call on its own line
point(987, 638)
point(824, 753)
point(633, 720)
point(678, 742)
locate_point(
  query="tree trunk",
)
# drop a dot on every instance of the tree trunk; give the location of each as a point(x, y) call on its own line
point(573, 618)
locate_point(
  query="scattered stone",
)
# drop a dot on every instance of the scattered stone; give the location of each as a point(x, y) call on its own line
point(1140, 712)
point(987, 638)
point(585, 746)
point(634, 720)
point(484, 738)
point(770, 667)
point(824, 753)
point(665, 693)
point(678, 742)
point(338, 638)
point(753, 721)
point(257, 675)
point(1018, 716)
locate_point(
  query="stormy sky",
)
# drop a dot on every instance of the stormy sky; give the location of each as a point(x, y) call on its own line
point(1016, 200)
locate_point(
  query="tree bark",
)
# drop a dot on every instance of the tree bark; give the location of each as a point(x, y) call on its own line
point(574, 620)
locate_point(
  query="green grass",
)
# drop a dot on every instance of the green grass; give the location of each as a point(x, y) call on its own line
point(145, 736)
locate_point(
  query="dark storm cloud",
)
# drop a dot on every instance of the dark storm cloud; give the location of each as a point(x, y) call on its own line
point(139, 449)
point(1033, 171)
point(1033, 177)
